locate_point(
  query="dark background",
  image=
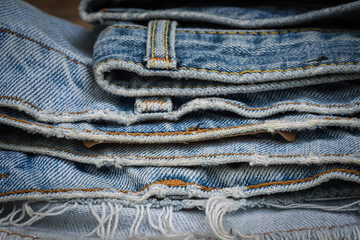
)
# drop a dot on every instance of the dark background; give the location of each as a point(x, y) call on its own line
point(66, 9)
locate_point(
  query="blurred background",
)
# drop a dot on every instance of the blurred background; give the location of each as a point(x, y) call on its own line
point(66, 9)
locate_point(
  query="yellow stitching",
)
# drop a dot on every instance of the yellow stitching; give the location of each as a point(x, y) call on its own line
point(176, 157)
point(4, 175)
point(153, 44)
point(270, 33)
point(248, 33)
point(161, 59)
point(177, 183)
point(166, 44)
point(246, 71)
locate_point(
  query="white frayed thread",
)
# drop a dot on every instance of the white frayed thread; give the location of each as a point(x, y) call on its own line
point(354, 206)
point(167, 227)
point(134, 230)
point(215, 211)
point(29, 215)
point(107, 221)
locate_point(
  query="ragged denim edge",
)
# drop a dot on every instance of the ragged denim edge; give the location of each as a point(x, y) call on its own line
point(220, 215)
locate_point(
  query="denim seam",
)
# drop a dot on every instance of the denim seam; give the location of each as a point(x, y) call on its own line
point(166, 44)
point(161, 104)
point(153, 44)
point(157, 105)
point(237, 73)
point(313, 228)
point(158, 48)
point(20, 235)
point(180, 183)
point(288, 182)
point(207, 99)
point(44, 46)
point(276, 105)
point(177, 157)
point(241, 33)
point(186, 132)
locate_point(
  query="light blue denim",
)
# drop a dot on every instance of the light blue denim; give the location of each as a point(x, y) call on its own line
point(224, 122)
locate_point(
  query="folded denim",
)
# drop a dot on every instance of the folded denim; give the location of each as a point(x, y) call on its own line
point(320, 146)
point(52, 178)
point(156, 80)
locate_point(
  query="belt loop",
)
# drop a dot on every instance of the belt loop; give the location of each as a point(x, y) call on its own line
point(153, 105)
point(160, 46)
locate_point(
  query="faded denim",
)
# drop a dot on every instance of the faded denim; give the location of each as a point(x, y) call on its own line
point(182, 122)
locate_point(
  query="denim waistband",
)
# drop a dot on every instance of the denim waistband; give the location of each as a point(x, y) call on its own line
point(214, 62)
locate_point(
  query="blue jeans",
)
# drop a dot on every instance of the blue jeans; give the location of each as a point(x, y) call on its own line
point(184, 122)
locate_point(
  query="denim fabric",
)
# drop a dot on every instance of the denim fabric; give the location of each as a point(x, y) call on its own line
point(320, 146)
point(188, 121)
point(256, 217)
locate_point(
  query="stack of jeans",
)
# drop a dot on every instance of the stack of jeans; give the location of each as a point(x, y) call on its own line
point(181, 120)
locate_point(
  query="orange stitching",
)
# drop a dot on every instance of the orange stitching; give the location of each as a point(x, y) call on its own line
point(153, 43)
point(4, 175)
point(15, 98)
point(161, 104)
point(42, 45)
point(18, 234)
point(153, 101)
point(37, 124)
point(304, 229)
point(216, 100)
point(175, 183)
point(171, 183)
point(162, 59)
point(174, 157)
point(166, 44)
point(178, 132)
point(155, 133)
point(300, 180)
